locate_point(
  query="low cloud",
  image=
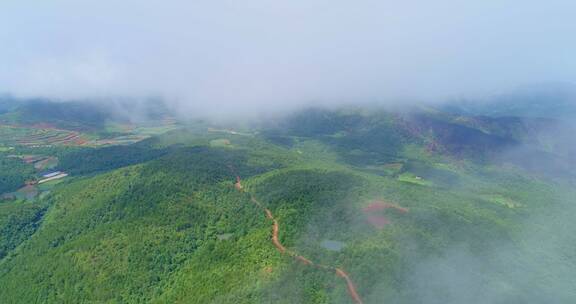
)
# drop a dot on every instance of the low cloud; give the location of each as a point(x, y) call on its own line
point(257, 55)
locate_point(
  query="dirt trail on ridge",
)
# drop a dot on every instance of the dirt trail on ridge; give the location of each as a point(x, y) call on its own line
point(276, 241)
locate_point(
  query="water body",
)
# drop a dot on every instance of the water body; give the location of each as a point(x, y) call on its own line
point(332, 245)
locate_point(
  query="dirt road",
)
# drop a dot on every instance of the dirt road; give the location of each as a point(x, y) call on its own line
point(276, 241)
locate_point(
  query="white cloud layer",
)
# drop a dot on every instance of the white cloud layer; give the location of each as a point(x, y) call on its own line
point(255, 54)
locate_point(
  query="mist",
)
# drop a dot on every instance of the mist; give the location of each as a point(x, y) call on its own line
point(534, 263)
point(531, 261)
point(223, 59)
point(231, 57)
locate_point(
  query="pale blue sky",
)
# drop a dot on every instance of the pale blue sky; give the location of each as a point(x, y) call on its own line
point(275, 52)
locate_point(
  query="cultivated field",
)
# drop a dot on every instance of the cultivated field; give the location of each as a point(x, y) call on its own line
point(39, 136)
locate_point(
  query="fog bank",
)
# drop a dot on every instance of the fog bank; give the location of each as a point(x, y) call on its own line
point(228, 56)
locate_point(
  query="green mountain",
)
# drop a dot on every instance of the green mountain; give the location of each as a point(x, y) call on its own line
point(322, 206)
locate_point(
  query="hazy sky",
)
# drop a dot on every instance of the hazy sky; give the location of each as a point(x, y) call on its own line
point(253, 54)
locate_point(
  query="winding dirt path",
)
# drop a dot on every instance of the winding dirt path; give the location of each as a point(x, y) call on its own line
point(276, 241)
point(349, 284)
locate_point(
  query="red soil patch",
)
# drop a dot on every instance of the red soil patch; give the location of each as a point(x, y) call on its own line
point(377, 221)
point(69, 137)
point(238, 184)
point(373, 207)
point(80, 141)
point(379, 205)
point(72, 139)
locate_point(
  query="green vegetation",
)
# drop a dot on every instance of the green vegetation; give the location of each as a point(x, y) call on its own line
point(13, 173)
point(160, 221)
point(18, 221)
point(411, 178)
point(96, 160)
point(185, 201)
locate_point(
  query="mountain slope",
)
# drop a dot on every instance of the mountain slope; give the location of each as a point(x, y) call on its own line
point(390, 199)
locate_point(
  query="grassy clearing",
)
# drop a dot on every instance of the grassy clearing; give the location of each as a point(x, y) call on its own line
point(409, 177)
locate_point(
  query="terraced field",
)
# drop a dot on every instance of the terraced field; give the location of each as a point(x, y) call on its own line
point(45, 135)
point(39, 136)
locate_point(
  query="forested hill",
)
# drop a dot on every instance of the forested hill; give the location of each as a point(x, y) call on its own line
point(406, 207)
